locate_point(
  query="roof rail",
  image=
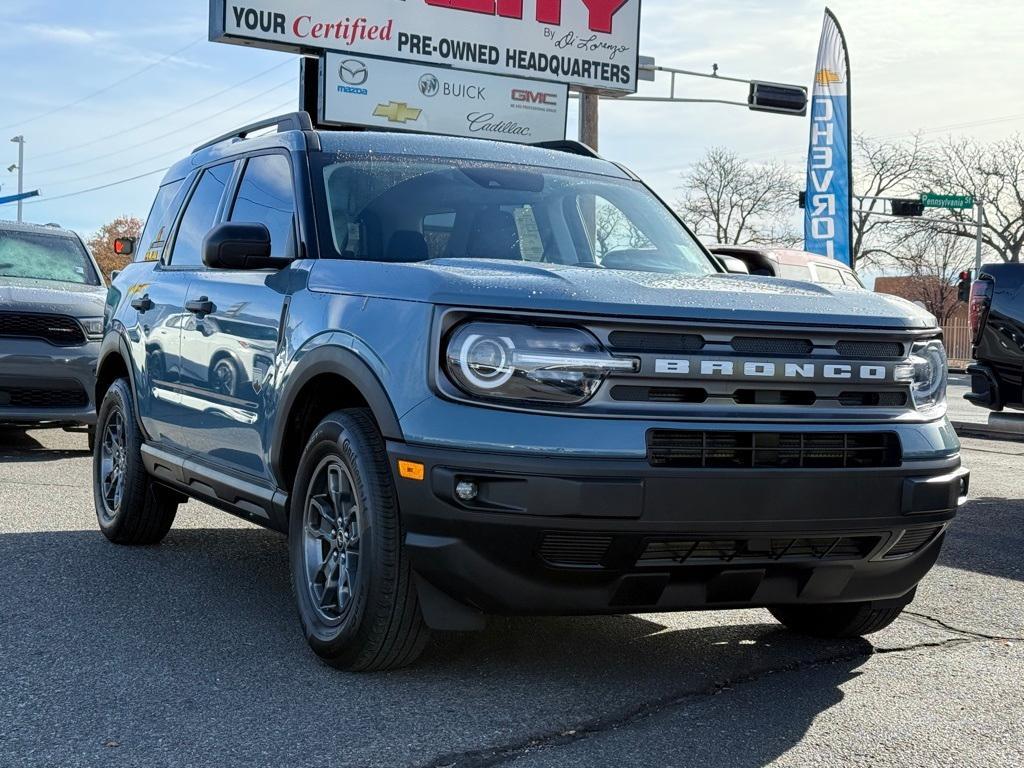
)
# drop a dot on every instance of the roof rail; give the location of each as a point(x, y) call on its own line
point(570, 146)
point(294, 121)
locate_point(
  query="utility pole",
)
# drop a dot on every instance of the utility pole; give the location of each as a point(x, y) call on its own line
point(589, 122)
point(980, 239)
point(20, 141)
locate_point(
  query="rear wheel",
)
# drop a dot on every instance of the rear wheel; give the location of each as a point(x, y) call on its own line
point(130, 507)
point(841, 620)
point(353, 587)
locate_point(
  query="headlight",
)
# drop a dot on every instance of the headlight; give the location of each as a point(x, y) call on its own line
point(927, 372)
point(93, 327)
point(508, 362)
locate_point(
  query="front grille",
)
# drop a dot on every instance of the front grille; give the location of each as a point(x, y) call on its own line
point(913, 541)
point(630, 341)
point(873, 399)
point(870, 350)
point(659, 394)
point(768, 346)
point(69, 396)
point(774, 549)
point(575, 550)
point(59, 330)
point(772, 450)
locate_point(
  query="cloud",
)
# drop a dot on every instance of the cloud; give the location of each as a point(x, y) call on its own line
point(66, 34)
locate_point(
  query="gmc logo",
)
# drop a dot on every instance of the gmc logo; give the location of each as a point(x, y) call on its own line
point(534, 97)
point(602, 12)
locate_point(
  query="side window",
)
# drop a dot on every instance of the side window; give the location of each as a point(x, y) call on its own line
point(266, 196)
point(851, 279)
point(828, 276)
point(161, 218)
point(795, 272)
point(200, 216)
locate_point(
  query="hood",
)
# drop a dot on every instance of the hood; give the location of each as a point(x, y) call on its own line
point(489, 284)
point(21, 294)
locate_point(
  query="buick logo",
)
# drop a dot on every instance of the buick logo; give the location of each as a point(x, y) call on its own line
point(353, 72)
point(429, 85)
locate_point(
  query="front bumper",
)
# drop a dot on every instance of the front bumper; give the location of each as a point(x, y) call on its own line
point(590, 536)
point(45, 384)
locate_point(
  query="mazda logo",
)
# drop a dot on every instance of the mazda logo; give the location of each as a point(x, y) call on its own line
point(353, 72)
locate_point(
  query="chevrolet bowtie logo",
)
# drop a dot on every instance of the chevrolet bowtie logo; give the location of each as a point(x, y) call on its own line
point(397, 112)
point(827, 77)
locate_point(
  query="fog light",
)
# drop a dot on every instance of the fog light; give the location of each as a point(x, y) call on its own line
point(467, 490)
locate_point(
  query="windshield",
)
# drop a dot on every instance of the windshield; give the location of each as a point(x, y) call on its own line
point(407, 209)
point(44, 257)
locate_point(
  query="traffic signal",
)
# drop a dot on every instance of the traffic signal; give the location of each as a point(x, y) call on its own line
point(907, 208)
point(777, 98)
point(803, 200)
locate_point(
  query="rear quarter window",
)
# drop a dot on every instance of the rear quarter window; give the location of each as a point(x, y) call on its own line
point(161, 218)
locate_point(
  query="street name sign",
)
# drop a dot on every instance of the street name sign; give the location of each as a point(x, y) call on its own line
point(397, 95)
point(952, 202)
point(583, 43)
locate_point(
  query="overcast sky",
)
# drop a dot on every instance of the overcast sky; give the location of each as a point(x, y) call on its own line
point(944, 66)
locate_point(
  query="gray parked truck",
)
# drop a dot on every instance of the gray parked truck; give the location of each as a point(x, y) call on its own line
point(52, 298)
point(471, 378)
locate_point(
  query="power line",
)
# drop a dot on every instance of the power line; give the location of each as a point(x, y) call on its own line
point(164, 115)
point(175, 132)
point(103, 90)
point(141, 175)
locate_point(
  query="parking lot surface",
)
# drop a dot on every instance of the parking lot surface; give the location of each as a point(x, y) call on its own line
point(190, 654)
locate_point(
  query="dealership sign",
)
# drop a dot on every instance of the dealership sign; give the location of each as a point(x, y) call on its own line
point(399, 95)
point(584, 43)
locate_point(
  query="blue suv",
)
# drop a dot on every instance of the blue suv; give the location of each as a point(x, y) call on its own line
point(470, 378)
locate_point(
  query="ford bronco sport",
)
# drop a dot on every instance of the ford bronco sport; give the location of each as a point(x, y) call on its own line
point(468, 378)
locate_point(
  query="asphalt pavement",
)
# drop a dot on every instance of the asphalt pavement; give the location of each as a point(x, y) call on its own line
point(190, 654)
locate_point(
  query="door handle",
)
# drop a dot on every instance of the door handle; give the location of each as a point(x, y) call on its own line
point(142, 305)
point(201, 306)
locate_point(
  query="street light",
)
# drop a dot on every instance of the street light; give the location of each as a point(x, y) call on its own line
point(20, 167)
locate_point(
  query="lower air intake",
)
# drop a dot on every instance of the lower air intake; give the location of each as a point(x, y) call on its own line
point(772, 450)
point(575, 550)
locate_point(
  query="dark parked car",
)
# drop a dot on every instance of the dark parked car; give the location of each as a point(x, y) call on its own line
point(791, 265)
point(997, 327)
point(51, 321)
point(457, 396)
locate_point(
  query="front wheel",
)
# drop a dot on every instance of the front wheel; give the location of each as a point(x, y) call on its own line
point(353, 587)
point(841, 620)
point(130, 507)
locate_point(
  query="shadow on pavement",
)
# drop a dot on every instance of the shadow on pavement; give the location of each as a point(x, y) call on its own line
point(988, 537)
point(22, 446)
point(190, 653)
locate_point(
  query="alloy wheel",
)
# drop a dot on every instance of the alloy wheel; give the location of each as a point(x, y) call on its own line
point(113, 464)
point(331, 540)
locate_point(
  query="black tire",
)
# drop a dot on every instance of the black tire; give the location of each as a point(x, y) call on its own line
point(375, 624)
point(840, 620)
point(142, 512)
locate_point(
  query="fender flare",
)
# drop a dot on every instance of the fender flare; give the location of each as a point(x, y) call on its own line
point(341, 362)
point(114, 344)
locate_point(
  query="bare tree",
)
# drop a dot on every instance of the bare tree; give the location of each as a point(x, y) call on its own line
point(933, 262)
point(993, 173)
point(884, 169)
point(739, 202)
point(613, 230)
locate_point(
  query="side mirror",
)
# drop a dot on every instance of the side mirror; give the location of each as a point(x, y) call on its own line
point(240, 246)
point(124, 246)
point(733, 265)
point(964, 289)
